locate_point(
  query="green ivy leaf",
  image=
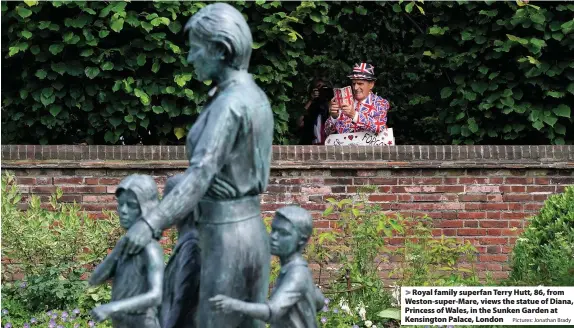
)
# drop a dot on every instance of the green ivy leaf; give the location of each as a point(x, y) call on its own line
point(360, 10)
point(179, 133)
point(26, 34)
point(160, 20)
point(55, 110)
point(157, 109)
point(107, 66)
point(103, 33)
point(562, 110)
point(409, 7)
point(92, 72)
point(141, 59)
point(41, 74)
point(550, 120)
point(319, 28)
point(560, 129)
point(128, 118)
point(445, 92)
point(115, 121)
point(472, 126)
point(23, 12)
point(117, 24)
point(87, 52)
point(570, 88)
point(56, 48)
point(144, 98)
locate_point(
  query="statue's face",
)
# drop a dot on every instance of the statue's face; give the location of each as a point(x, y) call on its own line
point(128, 208)
point(202, 56)
point(284, 237)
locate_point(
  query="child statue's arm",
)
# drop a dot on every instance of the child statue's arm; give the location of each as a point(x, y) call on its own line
point(155, 269)
point(105, 270)
point(319, 298)
point(286, 295)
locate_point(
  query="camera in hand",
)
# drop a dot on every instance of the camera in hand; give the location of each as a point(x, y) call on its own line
point(325, 94)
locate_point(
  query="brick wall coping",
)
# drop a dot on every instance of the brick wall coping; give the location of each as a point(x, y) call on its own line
point(301, 157)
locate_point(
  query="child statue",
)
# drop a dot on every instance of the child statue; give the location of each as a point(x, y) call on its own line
point(181, 279)
point(137, 278)
point(295, 298)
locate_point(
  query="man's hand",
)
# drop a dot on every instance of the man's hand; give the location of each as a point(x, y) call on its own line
point(348, 110)
point(334, 108)
point(101, 312)
point(224, 304)
point(137, 237)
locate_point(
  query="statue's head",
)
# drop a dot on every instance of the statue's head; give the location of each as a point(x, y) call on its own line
point(137, 195)
point(291, 229)
point(219, 37)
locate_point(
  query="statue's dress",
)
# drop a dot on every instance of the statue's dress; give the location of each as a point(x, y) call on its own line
point(229, 148)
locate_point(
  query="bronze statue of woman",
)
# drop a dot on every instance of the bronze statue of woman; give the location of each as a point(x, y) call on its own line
point(229, 150)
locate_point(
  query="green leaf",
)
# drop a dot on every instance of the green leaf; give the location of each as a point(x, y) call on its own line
point(157, 109)
point(155, 67)
point(27, 34)
point(360, 10)
point(319, 28)
point(538, 125)
point(55, 110)
point(30, 3)
point(445, 92)
point(409, 7)
point(160, 20)
point(460, 116)
point(472, 126)
point(562, 111)
point(182, 79)
point(560, 129)
point(144, 98)
point(517, 39)
point(115, 121)
point(41, 74)
point(117, 24)
point(570, 88)
point(103, 33)
point(56, 48)
point(315, 17)
point(129, 118)
point(479, 87)
point(59, 67)
point(550, 120)
point(23, 12)
point(556, 94)
point(141, 59)
point(92, 72)
point(107, 66)
point(179, 133)
point(117, 85)
point(87, 53)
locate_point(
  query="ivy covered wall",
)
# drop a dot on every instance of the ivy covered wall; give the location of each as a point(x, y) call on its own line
point(454, 72)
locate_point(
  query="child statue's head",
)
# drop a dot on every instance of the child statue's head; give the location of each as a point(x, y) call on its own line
point(291, 229)
point(137, 195)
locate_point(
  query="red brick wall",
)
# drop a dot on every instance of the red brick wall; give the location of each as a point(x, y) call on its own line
point(477, 193)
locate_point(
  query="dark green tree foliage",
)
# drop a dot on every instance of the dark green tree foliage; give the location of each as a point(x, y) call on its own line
point(455, 72)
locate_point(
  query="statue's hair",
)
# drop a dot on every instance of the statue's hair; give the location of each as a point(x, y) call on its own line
point(222, 23)
point(145, 189)
point(300, 218)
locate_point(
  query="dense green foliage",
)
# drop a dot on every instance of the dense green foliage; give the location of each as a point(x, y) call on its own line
point(455, 72)
point(544, 253)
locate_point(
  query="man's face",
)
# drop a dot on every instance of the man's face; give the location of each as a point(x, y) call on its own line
point(362, 88)
point(128, 208)
point(284, 238)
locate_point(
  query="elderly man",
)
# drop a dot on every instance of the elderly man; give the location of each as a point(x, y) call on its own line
point(367, 113)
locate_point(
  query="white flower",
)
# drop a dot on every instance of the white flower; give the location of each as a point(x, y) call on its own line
point(362, 313)
point(368, 323)
point(374, 326)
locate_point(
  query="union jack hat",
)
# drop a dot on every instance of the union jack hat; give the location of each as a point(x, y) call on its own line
point(363, 71)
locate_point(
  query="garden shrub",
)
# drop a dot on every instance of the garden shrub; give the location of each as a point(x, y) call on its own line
point(544, 252)
point(53, 249)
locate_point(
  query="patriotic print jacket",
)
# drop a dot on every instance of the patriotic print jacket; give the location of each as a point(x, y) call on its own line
point(371, 117)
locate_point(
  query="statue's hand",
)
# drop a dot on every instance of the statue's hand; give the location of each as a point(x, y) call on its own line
point(137, 237)
point(224, 304)
point(101, 312)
